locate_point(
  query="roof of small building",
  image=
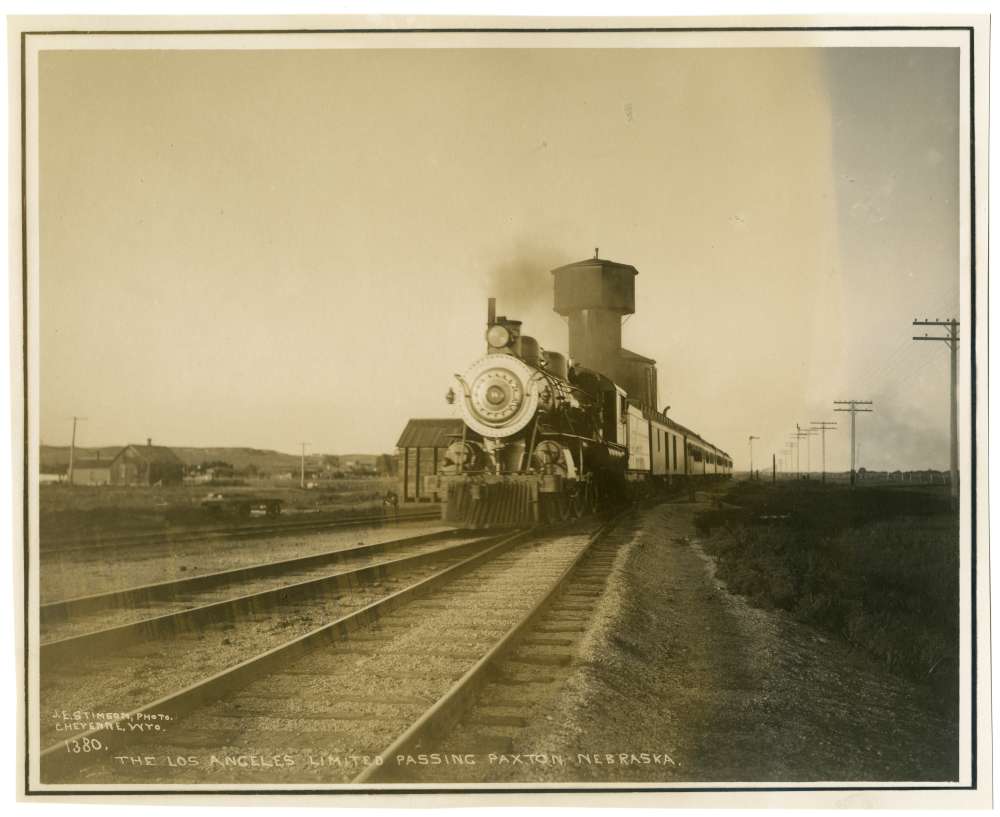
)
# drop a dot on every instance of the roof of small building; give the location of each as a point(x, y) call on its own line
point(81, 464)
point(153, 454)
point(429, 433)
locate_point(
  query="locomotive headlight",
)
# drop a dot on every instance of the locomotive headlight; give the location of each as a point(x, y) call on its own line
point(498, 336)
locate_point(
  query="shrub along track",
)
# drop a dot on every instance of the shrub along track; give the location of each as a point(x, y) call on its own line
point(373, 683)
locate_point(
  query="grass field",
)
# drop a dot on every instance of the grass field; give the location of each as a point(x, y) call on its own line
point(88, 510)
point(876, 565)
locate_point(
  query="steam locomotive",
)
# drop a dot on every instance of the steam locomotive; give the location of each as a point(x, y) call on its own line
point(546, 438)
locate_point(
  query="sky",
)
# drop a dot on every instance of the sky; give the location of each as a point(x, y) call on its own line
point(258, 248)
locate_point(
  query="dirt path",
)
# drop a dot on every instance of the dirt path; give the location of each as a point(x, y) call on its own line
point(728, 693)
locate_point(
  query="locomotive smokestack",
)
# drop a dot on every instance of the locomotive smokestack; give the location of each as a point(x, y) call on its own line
point(491, 311)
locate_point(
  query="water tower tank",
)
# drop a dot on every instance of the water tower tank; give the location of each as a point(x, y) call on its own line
point(594, 295)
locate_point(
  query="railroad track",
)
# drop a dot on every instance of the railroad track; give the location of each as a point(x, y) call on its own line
point(508, 695)
point(125, 664)
point(72, 627)
point(102, 543)
point(373, 683)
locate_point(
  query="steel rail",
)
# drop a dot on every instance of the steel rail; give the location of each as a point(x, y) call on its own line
point(97, 543)
point(442, 716)
point(52, 654)
point(184, 701)
point(64, 609)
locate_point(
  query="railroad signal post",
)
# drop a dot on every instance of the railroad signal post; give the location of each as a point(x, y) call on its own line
point(752, 438)
point(823, 426)
point(951, 339)
point(852, 407)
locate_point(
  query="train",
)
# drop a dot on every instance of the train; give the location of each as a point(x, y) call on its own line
point(548, 437)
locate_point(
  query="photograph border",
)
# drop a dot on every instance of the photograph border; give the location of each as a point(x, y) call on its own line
point(512, 789)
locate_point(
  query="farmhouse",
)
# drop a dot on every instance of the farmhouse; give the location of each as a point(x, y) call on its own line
point(146, 465)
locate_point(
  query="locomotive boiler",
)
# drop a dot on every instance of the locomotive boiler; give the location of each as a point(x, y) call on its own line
point(546, 438)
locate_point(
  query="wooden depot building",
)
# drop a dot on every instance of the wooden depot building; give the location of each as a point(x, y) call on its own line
point(419, 450)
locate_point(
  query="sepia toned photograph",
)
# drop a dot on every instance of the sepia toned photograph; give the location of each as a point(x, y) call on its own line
point(502, 406)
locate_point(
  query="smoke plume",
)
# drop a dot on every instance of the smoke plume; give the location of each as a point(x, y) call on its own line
point(522, 285)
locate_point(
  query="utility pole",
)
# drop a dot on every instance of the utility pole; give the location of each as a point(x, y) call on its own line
point(799, 436)
point(823, 426)
point(798, 451)
point(774, 468)
point(951, 326)
point(752, 438)
point(302, 472)
point(852, 407)
point(72, 449)
point(808, 433)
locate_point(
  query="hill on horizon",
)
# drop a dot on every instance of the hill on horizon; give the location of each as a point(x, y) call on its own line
point(57, 456)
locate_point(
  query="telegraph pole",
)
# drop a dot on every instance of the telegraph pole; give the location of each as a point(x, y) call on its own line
point(72, 449)
point(302, 472)
point(798, 451)
point(852, 407)
point(951, 326)
point(808, 433)
point(752, 438)
point(799, 436)
point(823, 426)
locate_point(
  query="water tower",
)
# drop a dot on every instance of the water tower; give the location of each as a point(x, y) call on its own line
point(594, 295)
